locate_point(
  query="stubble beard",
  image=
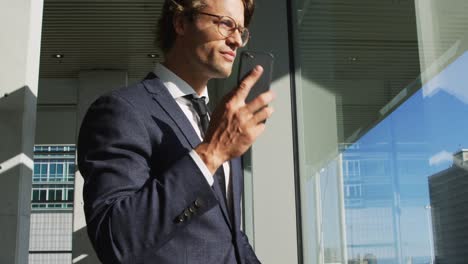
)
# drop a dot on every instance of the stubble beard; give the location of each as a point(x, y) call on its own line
point(221, 68)
point(214, 66)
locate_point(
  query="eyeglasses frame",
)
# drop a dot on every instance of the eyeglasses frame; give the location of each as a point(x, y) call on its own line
point(237, 27)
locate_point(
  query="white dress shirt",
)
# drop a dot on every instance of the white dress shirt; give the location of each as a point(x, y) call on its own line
point(178, 88)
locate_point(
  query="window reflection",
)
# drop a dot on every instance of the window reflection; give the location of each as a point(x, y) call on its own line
point(382, 102)
point(416, 155)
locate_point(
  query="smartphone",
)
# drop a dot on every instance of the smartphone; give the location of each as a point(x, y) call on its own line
point(248, 60)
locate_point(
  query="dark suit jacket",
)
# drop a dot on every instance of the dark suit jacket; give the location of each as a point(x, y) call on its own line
point(145, 199)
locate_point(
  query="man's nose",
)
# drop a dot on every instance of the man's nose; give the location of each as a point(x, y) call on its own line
point(236, 38)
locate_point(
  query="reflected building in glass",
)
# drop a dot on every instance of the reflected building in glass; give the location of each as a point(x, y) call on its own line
point(52, 204)
point(385, 204)
point(381, 104)
point(449, 202)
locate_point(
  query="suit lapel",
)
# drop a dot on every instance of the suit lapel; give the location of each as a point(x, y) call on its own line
point(162, 96)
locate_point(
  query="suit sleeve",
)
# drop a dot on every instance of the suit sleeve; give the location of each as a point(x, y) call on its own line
point(129, 207)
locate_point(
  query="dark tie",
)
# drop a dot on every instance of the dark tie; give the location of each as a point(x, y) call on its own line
point(202, 110)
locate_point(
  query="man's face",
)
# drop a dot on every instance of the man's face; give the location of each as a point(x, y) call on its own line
point(208, 53)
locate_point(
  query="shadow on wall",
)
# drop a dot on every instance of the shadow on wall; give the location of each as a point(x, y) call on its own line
point(83, 252)
point(17, 117)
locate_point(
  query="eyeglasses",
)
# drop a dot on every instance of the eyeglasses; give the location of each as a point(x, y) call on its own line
point(227, 26)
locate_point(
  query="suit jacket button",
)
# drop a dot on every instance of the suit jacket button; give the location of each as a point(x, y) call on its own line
point(197, 203)
point(192, 209)
point(187, 213)
point(180, 219)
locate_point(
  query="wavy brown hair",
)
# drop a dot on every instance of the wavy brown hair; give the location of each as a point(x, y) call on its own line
point(166, 34)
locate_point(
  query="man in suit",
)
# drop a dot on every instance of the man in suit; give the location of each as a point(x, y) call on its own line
point(160, 185)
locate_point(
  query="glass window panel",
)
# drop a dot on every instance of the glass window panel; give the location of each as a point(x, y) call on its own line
point(70, 195)
point(71, 169)
point(60, 169)
point(42, 195)
point(44, 169)
point(58, 195)
point(381, 104)
point(53, 169)
point(35, 195)
point(50, 194)
point(37, 169)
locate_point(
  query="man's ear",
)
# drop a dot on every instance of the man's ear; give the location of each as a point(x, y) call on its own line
point(180, 24)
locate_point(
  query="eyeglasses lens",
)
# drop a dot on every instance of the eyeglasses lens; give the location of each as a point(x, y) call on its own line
point(227, 26)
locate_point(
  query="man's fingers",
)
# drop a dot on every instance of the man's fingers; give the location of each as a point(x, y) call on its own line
point(260, 101)
point(244, 87)
point(258, 129)
point(262, 115)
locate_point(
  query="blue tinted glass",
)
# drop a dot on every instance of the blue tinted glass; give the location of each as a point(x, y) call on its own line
point(60, 169)
point(71, 168)
point(383, 107)
point(44, 169)
point(37, 169)
point(53, 167)
point(399, 164)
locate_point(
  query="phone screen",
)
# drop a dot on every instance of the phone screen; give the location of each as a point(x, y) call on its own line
point(248, 60)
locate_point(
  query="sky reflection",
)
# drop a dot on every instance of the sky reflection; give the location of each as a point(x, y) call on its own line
point(395, 159)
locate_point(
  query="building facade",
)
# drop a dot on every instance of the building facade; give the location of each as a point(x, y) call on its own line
point(449, 202)
point(52, 195)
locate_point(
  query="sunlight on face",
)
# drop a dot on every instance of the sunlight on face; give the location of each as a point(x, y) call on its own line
point(211, 54)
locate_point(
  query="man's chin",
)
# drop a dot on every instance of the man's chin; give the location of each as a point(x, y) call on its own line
point(227, 73)
point(224, 72)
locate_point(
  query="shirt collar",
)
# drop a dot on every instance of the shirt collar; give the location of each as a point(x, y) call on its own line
point(175, 85)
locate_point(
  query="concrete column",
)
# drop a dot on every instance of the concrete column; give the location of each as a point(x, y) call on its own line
point(20, 38)
point(92, 84)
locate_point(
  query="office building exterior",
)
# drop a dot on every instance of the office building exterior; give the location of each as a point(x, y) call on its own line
point(52, 204)
point(449, 203)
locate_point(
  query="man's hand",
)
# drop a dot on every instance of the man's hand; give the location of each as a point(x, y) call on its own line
point(235, 125)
